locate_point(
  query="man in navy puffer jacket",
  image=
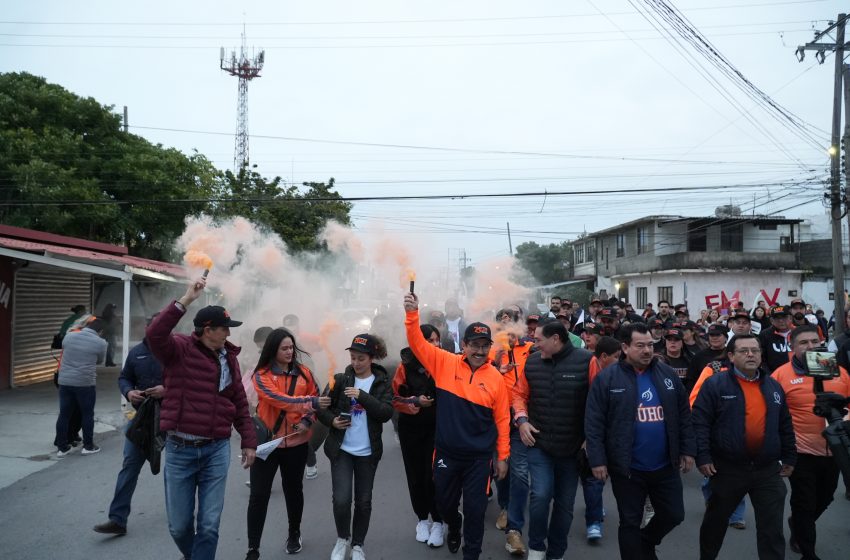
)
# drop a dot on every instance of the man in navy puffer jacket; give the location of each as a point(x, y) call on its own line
point(638, 427)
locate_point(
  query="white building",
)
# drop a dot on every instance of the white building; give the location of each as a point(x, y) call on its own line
point(705, 262)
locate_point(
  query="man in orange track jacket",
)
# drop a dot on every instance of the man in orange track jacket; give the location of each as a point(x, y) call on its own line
point(473, 417)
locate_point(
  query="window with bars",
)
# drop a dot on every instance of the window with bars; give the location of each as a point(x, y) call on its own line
point(665, 293)
point(579, 252)
point(621, 245)
point(642, 243)
point(641, 295)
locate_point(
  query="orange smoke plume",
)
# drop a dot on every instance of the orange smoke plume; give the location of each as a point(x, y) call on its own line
point(328, 329)
point(503, 341)
point(197, 259)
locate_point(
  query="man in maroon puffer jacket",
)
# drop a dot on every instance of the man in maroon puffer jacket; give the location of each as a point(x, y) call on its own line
point(204, 399)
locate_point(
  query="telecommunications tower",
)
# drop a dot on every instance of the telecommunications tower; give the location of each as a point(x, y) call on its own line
point(246, 69)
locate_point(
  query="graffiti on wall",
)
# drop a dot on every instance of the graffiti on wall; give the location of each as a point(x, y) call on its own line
point(726, 301)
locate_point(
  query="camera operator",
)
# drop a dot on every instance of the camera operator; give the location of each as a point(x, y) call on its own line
point(815, 478)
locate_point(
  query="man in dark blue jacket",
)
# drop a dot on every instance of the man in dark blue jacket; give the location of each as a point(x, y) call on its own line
point(140, 378)
point(638, 427)
point(747, 461)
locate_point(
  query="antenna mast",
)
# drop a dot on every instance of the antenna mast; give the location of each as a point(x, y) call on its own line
point(246, 69)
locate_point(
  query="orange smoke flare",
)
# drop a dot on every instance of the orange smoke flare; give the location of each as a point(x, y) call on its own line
point(197, 259)
point(502, 341)
point(327, 329)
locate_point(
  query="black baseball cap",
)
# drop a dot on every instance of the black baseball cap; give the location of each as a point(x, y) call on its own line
point(597, 300)
point(674, 333)
point(656, 324)
point(532, 319)
point(593, 328)
point(476, 331)
point(717, 329)
point(214, 316)
point(778, 310)
point(364, 343)
point(608, 313)
point(741, 314)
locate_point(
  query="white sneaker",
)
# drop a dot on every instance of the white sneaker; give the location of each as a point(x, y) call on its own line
point(90, 450)
point(60, 454)
point(311, 472)
point(357, 553)
point(435, 539)
point(536, 554)
point(423, 530)
point(340, 551)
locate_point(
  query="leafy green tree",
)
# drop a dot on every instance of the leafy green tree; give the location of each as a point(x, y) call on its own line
point(547, 263)
point(296, 214)
point(67, 167)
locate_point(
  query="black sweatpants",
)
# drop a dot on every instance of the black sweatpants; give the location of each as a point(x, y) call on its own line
point(417, 451)
point(767, 494)
point(290, 461)
point(813, 485)
point(468, 477)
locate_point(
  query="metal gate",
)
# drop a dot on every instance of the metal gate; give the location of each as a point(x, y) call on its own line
point(44, 297)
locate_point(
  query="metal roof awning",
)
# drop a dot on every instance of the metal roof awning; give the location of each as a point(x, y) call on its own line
point(88, 257)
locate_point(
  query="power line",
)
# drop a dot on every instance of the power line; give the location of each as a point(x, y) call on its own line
point(396, 21)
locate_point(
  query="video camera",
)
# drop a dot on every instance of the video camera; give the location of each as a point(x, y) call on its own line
point(821, 365)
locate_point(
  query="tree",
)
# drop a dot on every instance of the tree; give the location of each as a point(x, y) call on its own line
point(297, 215)
point(547, 263)
point(67, 167)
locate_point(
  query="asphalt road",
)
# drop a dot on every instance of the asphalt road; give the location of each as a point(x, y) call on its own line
point(49, 515)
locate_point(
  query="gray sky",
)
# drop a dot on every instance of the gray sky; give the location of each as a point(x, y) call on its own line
point(519, 96)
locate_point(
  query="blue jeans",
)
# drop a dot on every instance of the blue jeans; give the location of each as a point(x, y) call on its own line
point(84, 398)
point(134, 460)
point(554, 480)
point(593, 506)
point(737, 515)
point(519, 483)
point(190, 471)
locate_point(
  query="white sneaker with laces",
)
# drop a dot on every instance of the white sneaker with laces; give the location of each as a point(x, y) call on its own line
point(340, 551)
point(90, 450)
point(311, 472)
point(423, 530)
point(357, 553)
point(435, 539)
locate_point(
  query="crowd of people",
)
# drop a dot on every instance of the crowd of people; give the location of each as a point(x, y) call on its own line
point(532, 405)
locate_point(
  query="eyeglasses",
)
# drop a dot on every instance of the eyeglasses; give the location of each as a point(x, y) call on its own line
point(747, 351)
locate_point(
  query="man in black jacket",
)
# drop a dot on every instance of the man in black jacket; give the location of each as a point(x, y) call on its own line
point(744, 462)
point(638, 428)
point(141, 378)
point(549, 404)
point(775, 342)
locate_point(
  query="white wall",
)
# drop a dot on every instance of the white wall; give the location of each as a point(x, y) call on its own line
point(716, 286)
point(816, 292)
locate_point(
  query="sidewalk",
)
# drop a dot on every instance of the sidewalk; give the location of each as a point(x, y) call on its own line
point(28, 424)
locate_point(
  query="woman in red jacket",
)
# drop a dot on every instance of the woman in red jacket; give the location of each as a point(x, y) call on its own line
point(413, 397)
point(288, 398)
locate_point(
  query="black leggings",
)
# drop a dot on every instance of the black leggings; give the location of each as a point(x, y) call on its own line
point(417, 450)
point(290, 461)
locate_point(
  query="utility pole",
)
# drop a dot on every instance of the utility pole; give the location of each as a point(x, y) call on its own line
point(126, 122)
point(835, 195)
point(510, 245)
point(246, 69)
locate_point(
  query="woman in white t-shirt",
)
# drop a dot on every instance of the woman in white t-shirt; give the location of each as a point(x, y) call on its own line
point(361, 402)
